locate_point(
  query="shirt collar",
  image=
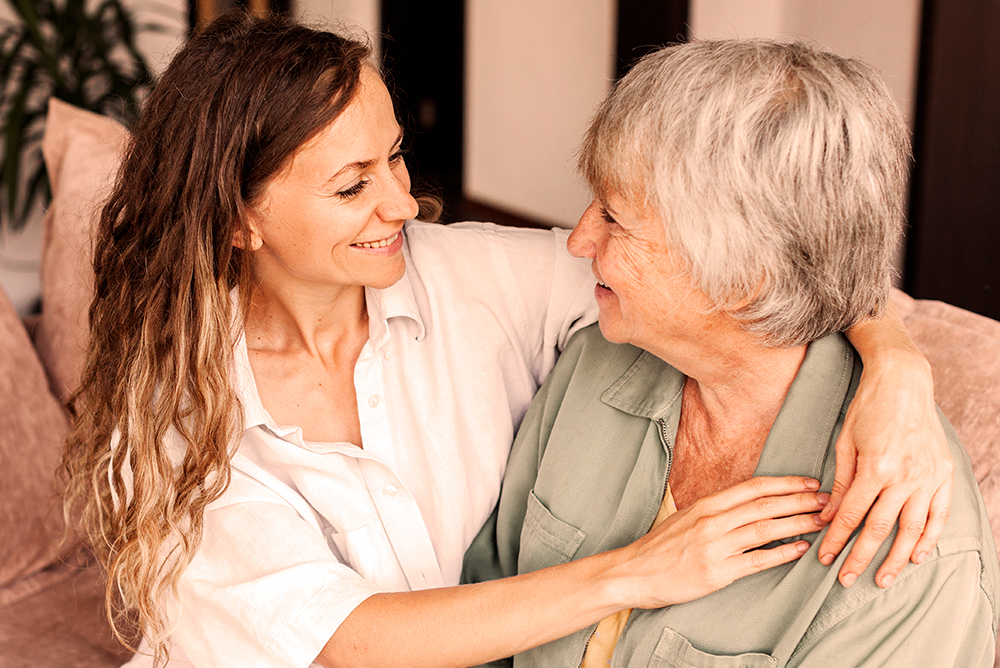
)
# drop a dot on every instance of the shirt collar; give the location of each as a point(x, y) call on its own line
point(397, 300)
point(798, 441)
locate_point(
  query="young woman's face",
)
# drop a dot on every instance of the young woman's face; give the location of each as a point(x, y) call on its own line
point(333, 217)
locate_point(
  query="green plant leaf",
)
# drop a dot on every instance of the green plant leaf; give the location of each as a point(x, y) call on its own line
point(13, 136)
point(83, 54)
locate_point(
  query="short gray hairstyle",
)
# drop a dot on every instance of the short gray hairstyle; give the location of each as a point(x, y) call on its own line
point(778, 170)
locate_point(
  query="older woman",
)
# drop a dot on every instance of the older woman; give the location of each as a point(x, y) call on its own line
point(748, 196)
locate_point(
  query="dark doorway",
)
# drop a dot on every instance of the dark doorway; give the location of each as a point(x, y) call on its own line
point(424, 57)
point(954, 238)
point(643, 26)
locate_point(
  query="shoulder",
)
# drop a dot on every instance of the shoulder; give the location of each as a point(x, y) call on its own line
point(593, 375)
point(591, 357)
point(958, 580)
point(475, 238)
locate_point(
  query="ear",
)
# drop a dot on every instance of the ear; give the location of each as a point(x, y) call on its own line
point(247, 236)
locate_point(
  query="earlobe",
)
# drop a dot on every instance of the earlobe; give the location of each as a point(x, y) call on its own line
point(246, 237)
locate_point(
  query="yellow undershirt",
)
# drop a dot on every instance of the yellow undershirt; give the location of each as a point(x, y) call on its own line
point(602, 643)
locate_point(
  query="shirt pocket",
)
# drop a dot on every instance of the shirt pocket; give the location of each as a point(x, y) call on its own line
point(546, 540)
point(674, 651)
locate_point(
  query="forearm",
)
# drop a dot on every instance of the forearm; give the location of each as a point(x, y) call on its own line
point(886, 339)
point(473, 624)
point(696, 551)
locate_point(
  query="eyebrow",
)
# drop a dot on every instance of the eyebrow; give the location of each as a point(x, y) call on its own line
point(364, 164)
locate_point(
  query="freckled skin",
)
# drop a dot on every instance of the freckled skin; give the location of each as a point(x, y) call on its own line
point(308, 320)
point(347, 186)
point(652, 302)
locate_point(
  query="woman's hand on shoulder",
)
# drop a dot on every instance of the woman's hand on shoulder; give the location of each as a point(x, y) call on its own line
point(706, 546)
point(893, 464)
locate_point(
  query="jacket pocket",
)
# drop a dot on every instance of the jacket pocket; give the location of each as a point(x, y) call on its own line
point(546, 540)
point(674, 651)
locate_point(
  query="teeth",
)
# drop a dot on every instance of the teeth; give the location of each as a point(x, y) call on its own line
point(379, 244)
point(603, 284)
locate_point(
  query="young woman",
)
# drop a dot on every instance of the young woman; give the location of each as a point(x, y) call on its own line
point(297, 406)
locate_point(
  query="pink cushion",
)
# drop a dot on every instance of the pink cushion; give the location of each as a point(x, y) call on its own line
point(964, 352)
point(62, 625)
point(81, 151)
point(32, 429)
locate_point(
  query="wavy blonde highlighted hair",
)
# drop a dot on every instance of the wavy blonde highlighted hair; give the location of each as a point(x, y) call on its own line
point(228, 114)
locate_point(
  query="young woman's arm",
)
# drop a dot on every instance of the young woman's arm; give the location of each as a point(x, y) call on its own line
point(892, 457)
point(698, 550)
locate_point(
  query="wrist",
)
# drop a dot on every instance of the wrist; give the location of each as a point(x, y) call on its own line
point(617, 579)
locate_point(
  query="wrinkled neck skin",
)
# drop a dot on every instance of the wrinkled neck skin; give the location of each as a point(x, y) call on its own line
point(734, 390)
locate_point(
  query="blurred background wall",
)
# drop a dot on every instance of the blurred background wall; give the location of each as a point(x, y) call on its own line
point(496, 94)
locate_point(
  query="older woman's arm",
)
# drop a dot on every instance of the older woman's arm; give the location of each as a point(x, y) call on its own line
point(892, 457)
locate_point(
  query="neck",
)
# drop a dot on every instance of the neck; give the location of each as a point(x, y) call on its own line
point(744, 389)
point(314, 321)
point(731, 374)
point(731, 398)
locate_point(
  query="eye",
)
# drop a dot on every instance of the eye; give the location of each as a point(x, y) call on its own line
point(397, 157)
point(608, 218)
point(353, 191)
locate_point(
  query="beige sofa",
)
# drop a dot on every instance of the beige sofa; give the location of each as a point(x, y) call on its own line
point(51, 609)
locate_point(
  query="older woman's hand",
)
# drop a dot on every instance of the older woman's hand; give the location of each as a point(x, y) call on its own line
point(892, 458)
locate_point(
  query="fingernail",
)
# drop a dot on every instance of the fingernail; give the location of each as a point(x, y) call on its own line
point(887, 581)
point(822, 498)
point(848, 579)
point(820, 522)
point(801, 547)
point(919, 557)
point(812, 484)
point(826, 559)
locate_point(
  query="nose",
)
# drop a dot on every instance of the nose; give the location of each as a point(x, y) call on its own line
point(582, 241)
point(398, 203)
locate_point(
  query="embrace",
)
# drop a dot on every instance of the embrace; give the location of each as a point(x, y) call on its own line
point(299, 401)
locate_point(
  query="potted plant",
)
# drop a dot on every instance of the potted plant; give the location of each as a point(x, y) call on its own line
point(82, 53)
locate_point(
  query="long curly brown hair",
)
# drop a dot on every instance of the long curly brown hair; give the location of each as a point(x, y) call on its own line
point(228, 114)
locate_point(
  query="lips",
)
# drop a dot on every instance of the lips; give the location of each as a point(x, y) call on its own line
point(380, 243)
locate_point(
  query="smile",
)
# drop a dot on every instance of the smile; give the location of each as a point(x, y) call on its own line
point(381, 243)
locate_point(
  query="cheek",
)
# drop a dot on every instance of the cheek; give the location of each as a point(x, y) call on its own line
point(628, 264)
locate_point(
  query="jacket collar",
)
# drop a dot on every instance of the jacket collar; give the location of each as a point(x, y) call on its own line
point(798, 441)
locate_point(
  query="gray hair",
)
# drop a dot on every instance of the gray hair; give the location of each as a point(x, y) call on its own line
point(779, 172)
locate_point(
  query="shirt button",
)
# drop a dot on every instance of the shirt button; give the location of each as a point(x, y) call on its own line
point(389, 491)
point(389, 354)
point(374, 400)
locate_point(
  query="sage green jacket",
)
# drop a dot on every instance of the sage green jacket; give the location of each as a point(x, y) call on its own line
point(587, 473)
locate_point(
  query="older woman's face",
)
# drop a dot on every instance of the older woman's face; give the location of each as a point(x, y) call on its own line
point(644, 291)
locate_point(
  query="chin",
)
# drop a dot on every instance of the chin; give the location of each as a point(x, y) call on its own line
point(387, 279)
point(609, 331)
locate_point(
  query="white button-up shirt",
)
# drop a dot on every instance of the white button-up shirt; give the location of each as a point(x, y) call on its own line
point(306, 531)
